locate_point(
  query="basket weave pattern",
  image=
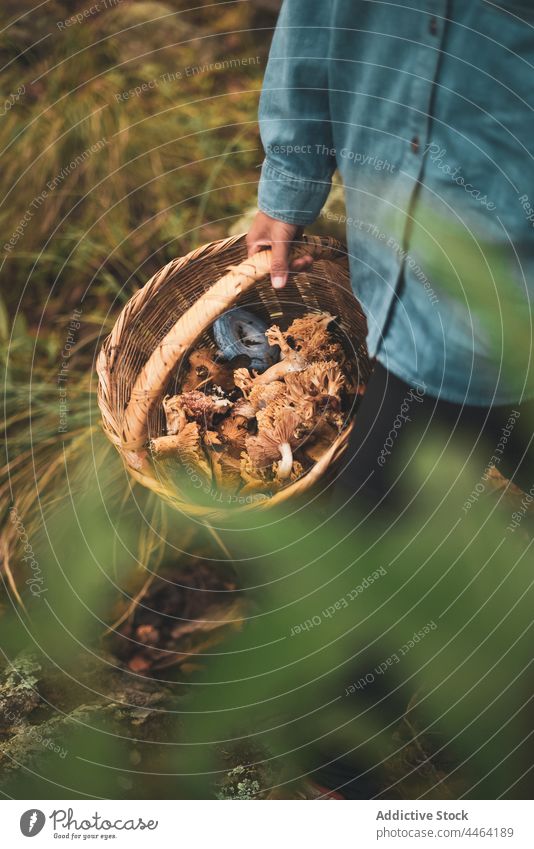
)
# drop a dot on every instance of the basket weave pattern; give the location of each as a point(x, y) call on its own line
point(145, 356)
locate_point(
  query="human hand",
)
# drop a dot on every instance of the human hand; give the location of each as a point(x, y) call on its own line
point(267, 232)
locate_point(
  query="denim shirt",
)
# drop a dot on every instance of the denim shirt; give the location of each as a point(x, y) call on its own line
point(426, 109)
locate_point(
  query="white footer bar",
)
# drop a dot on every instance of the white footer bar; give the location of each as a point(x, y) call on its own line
point(269, 825)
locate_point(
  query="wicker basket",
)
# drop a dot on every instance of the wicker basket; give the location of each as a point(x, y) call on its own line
point(141, 360)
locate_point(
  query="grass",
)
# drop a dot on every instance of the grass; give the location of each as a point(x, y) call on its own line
point(168, 169)
point(112, 186)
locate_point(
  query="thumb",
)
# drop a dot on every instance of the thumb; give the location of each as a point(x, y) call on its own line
point(279, 263)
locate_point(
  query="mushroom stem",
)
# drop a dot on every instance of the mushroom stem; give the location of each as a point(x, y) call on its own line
point(286, 463)
point(294, 362)
point(166, 446)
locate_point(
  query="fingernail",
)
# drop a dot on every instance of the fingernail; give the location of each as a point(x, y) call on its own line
point(278, 282)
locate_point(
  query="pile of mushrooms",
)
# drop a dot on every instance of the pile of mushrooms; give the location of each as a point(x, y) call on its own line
point(249, 432)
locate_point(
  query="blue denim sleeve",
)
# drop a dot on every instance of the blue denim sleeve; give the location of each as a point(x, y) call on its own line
point(295, 117)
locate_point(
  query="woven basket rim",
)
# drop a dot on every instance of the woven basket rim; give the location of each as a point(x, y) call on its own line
point(137, 461)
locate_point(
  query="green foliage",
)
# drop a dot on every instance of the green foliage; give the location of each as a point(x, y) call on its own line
point(128, 137)
point(434, 612)
point(171, 167)
point(110, 176)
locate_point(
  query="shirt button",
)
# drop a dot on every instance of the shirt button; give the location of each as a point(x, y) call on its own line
point(433, 26)
point(415, 144)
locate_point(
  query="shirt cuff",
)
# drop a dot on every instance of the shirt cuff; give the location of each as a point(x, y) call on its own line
point(289, 198)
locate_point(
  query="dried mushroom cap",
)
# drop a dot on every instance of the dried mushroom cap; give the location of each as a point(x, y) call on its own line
point(294, 361)
point(321, 439)
point(276, 337)
point(174, 414)
point(301, 394)
point(248, 382)
point(193, 406)
point(262, 451)
point(233, 431)
point(302, 328)
point(226, 471)
point(262, 394)
point(204, 407)
point(243, 407)
point(297, 470)
point(186, 445)
point(327, 377)
point(276, 438)
point(165, 446)
point(203, 369)
point(320, 378)
point(211, 437)
point(321, 346)
point(310, 336)
point(254, 477)
point(306, 340)
point(243, 380)
point(308, 390)
point(280, 418)
point(189, 440)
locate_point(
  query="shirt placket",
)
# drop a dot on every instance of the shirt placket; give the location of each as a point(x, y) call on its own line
point(425, 70)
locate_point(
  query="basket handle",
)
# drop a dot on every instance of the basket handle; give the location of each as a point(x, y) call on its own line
point(155, 374)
